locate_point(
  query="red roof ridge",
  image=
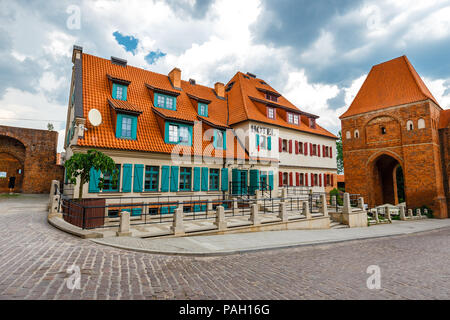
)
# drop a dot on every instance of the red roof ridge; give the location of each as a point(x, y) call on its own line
point(419, 82)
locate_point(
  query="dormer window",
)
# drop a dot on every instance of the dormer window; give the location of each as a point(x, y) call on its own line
point(119, 92)
point(202, 109)
point(270, 113)
point(312, 123)
point(165, 101)
point(219, 139)
point(293, 118)
point(177, 133)
point(271, 97)
point(126, 126)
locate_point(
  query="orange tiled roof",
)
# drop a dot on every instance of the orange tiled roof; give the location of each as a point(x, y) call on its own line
point(388, 84)
point(124, 106)
point(444, 120)
point(247, 102)
point(97, 94)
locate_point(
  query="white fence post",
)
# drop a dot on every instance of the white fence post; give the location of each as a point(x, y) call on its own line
point(124, 227)
point(255, 218)
point(361, 203)
point(347, 206)
point(324, 207)
point(221, 223)
point(402, 213)
point(283, 212)
point(410, 213)
point(306, 211)
point(178, 226)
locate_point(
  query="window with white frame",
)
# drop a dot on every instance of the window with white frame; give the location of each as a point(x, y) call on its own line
point(295, 118)
point(270, 113)
point(184, 134)
point(119, 92)
point(161, 101)
point(290, 118)
point(219, 141)
point(173, 133)
point(126, 127)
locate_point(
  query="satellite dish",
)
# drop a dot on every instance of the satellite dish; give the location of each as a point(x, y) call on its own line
point(95, 117)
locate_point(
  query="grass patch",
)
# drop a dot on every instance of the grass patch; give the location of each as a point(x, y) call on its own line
point(7, 195)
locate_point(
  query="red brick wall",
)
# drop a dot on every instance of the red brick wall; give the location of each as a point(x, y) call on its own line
point(36, 150)
point(417, 151)
point(445, 153)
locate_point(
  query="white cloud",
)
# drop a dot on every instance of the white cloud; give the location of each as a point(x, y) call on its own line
point(440, 89)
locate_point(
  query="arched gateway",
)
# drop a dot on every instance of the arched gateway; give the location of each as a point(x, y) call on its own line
point(29, 156)
point(398, 154)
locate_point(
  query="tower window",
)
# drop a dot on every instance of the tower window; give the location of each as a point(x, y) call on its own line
point(383, 130)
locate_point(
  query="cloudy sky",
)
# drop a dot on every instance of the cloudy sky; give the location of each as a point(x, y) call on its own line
point(316, 53)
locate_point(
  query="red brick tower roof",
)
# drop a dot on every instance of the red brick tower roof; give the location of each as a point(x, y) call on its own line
point(388, 84)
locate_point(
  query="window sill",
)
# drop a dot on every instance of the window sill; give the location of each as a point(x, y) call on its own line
point(155, 193)
point(112, 193)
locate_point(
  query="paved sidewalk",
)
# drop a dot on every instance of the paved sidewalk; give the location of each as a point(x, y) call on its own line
point(245, 242)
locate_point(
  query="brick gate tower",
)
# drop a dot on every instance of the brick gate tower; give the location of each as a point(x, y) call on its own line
point(393, 124)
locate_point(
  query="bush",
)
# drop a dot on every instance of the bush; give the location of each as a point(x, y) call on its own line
point(430, 212)
point(335, 192)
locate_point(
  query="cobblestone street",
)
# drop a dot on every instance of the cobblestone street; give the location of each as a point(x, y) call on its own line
point(34, 258)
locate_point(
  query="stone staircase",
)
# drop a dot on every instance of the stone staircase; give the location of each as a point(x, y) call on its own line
point(337, 225)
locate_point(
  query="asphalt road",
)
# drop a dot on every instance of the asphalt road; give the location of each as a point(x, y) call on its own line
point(34, 258)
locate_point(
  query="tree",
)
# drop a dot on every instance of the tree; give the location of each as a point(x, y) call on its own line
point(340, 154)
point(50, 126)
point(80, 165)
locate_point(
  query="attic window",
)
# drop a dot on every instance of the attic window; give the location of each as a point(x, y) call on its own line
point(270, 113)
point(228, 88)
point(246, 77)
point(312, 123)
point(262, 82)
point(119, 62)
point(271, 97)
point(251, 75)
point(192, 81)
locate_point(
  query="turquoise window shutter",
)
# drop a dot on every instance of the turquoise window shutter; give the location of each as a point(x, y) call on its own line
point(94, 180)
point(138, 177)
point(114, 89)
point(119, 126)
point(124, 94)
point(271, 180)
point(174, 178)
point(224, 179)
point(257, 140)
point(215, 139)
point(254, 181)
point(165, 174)
point(126, 177)
point(269, 143)
point(236, 181)
point(225, 140)
point(205, 179)
point(134, 128)
point(197, 178)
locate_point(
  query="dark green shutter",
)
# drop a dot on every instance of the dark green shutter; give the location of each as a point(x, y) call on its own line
point(126, 177)
point(224, 179)
point(138, 177)
point(205, 181)
point(174, 178)
point(197, 179)
point(254, 181)
point(236, 181)
point(271, 180)
point(165, 173)
point(94, 179)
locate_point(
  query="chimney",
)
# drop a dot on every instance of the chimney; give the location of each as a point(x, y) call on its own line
point(175, 77)
point(219, 87)
point(77, 51)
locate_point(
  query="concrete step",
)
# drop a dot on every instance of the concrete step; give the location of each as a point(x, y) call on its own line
point(337, 225)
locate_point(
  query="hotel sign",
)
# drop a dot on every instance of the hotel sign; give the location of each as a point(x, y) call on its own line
point(262, 130)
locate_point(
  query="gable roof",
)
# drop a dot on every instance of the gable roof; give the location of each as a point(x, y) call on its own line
point(444, 120)
point(97, 76)
point(247, 101)
point(389, 84)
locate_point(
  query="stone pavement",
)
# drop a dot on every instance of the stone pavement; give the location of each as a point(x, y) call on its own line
point(254, 241)
point(34, 258)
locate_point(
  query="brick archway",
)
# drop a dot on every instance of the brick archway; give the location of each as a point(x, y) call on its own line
point(11, 167)
point(383, 173)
